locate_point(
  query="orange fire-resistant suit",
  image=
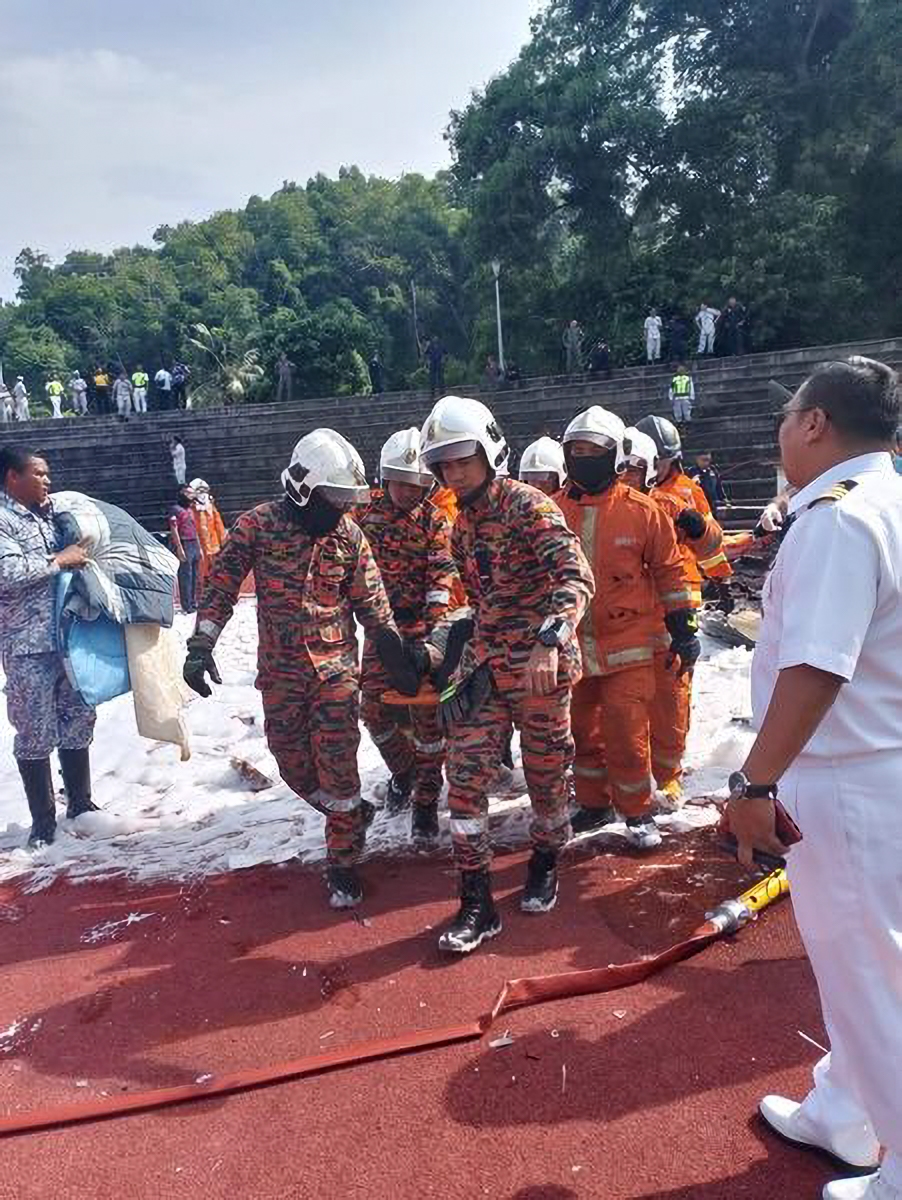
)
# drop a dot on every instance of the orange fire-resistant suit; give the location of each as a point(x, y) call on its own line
point(704, 556)
point(211, 533)
point(632, 547)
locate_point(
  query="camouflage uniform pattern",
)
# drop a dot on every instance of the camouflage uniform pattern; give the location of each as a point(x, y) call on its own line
point(519, 564)
point(28, 541)
point(413, 552)
point(43, 708)
point(308, 594)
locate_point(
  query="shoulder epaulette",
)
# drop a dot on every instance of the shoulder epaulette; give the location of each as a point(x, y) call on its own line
point(837, 492)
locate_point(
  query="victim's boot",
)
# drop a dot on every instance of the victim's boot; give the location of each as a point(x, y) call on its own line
point(38, 780)
point(76, 768)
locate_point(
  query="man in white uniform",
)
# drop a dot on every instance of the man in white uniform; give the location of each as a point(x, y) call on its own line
point(78, 390)
point(827, 699)
point(706, 320)
point(653, 336)
point(20, 400)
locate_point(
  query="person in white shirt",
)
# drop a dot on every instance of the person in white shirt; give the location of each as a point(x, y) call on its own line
point(827, 701)
point(122, 394)
point(20, 400)
point(653, 325)
point(162, 381)
point(78, 390)
point(179, 465)
point(706, 320)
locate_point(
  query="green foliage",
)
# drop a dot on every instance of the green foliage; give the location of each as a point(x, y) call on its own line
point(662, 151)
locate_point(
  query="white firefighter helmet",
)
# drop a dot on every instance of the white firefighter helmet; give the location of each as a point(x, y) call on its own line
point(326, 461)
point(641, 451)
point(400, 460)
point(544, 456)
point(600, 426)
point(455, 428)
point(664, 434)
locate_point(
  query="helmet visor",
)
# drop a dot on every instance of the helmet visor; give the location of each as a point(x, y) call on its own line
point(449, 451)
point(399, 475)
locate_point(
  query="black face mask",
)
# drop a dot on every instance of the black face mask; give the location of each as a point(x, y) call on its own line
point(593, 475)
point(317, 518)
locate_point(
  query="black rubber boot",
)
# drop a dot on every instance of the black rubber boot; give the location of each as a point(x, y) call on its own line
point(345, 888)
point(584, 820)
point(397, 797)
point(424, 825)
point(76, 768)
point(540, 892)
point(477, 919)
point(38, 780)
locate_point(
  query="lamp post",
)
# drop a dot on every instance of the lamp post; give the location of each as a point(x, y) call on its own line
point(496, 271)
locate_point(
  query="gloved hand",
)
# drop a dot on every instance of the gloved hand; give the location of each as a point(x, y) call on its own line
point(770, 521)
point(463, 700)
point(200, 662)
point(692, 523)
point(684, 644)
point(458, 636)
point(406, 662)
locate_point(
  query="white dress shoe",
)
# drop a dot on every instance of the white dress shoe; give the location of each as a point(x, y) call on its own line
point(866, 1187)
point(859, 1149)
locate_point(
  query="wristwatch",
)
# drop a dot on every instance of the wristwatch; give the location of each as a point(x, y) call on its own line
point(554, 631)
point(741, 789)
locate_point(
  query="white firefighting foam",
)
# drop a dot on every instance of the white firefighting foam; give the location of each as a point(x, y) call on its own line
point(163, 819)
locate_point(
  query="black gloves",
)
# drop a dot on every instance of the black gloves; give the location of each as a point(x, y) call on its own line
point(200, 662)
point(406, 662)
point(684, 644)
point(458, 636)
point(692, 523)
point(463, 700)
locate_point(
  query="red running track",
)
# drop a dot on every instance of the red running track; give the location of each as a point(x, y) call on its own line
point(648, 1092)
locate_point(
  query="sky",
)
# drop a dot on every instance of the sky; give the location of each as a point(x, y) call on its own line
point(117, 116)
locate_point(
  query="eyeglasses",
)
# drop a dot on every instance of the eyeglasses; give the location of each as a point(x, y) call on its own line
point(790, 410)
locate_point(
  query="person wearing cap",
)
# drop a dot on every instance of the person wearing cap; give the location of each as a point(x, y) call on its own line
point(638, 571)
point(140, 380)
point(411, 542)
point(513, 662)
point(55, 392)
point(211, 530)
point(826, 703)
point(78, 391)
point(315, 574)
point(542, 465)
point(20, 400)
point(706, 323)
point(700, 541)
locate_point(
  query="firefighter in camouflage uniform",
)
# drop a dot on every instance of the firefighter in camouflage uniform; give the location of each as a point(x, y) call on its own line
point(314, 573)
point(411, 541)
point(528, 584)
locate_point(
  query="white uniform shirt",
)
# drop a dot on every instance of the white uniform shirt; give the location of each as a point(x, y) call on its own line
point(833, 600)
point(652, 327)
point(706, 319)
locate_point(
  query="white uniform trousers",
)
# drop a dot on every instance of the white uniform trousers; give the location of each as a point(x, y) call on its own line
point(846, 881)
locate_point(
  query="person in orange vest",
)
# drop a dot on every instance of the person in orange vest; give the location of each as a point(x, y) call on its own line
point(700, 540)
point(638, 569)
point(211, 531)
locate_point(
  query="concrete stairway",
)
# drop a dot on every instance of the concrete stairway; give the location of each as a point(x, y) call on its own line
point(242, 451)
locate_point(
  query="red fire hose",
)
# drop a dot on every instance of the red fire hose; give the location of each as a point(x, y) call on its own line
point(727, 918)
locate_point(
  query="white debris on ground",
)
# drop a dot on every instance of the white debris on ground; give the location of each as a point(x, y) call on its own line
point(164, 819)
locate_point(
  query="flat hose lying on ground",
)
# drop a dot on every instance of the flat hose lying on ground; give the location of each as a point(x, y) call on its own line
point(728, 917)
